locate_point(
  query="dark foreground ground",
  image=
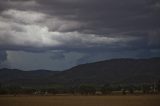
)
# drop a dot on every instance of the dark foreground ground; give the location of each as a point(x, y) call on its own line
point(143, 100)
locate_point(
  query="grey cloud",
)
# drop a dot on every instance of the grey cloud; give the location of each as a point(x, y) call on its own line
point(107, 13)
point(21, 29)
point(80, 25)
point(77, 31)
point(110, 17)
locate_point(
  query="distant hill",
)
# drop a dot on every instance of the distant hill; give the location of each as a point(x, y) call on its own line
point(25, 78)
point(109, 71)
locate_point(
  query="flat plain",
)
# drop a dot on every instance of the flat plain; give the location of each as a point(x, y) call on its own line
point(128, 100)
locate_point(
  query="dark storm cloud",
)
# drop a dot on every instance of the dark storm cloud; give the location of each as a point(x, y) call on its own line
point(116, 25)
point(113, 18)
point(82, 30)
point(101, 14)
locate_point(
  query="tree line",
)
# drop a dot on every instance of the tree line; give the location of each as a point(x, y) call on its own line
point(84, 89)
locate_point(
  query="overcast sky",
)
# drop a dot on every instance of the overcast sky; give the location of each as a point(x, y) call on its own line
point(60, 34)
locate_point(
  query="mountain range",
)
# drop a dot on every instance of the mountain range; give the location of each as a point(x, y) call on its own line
point(119, 71)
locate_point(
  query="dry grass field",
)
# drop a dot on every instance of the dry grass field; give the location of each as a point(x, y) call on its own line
point(145, 100)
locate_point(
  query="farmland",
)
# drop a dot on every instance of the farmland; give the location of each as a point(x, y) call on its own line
point(127, 100)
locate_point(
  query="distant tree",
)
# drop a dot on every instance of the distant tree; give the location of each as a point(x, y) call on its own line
point(106, 89)
point(146, 88)
point(28, 91)
point(87, 89)
point(158, 86)
point(117, 88)
point(131, 89)
point(73, 90)
point(52, 91)
point(3, 91)
point(14, 89)
point(124, 91)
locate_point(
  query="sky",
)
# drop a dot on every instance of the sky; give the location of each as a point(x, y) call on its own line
point(60, 34)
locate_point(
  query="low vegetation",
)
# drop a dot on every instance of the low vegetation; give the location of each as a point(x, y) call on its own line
point(83, 89)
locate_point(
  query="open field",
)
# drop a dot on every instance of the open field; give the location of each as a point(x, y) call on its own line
point(145, 100)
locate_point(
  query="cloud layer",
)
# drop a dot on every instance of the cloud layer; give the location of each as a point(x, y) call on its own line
point(31, 30)
point(88, 27)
